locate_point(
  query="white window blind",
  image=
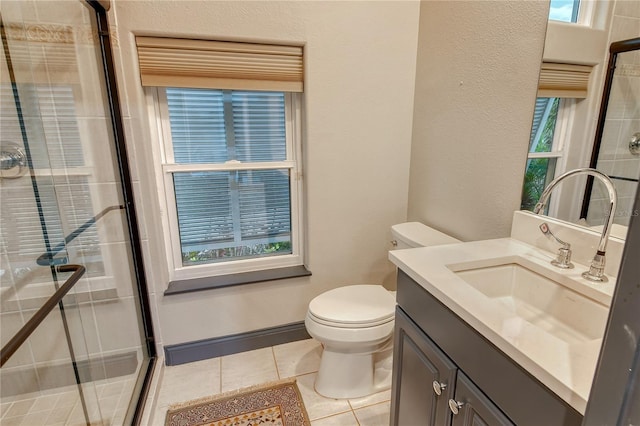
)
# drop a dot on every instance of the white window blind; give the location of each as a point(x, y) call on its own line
point(237, 205)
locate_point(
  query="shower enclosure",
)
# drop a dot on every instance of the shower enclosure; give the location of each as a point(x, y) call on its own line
point(77, 342)
point(617, 148)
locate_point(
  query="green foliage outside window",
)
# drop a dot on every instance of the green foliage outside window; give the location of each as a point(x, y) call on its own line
point(540, 170)
point(235, 252)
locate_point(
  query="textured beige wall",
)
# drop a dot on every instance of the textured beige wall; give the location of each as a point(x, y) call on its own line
point(358, 102)
point(477, 72)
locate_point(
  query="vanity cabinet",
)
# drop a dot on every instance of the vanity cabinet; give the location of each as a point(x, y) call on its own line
point(428, 388)
point(425, 378)
point(442, 365)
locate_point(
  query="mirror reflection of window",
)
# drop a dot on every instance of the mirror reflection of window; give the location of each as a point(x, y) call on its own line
point(564, 10)
point(547, 147)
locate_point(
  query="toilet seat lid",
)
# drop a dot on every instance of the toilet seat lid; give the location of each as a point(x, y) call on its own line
point(355, 304)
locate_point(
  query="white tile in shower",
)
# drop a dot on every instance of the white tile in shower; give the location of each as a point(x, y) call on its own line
point(48, 341)
point(628, 8)
point(624, 28)
point(632, 100)
point(118, 270)
point(617, 99)
point(96, 135)
point(10, 323)
point(610, 139)
point(628, 168)
point(117, 322)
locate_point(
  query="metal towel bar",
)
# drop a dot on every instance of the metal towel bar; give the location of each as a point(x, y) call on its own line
point(23, 334)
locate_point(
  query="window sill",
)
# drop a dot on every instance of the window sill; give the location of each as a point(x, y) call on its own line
point(207, 283)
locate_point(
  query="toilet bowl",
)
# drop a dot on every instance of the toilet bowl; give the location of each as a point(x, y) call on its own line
point(355, 326)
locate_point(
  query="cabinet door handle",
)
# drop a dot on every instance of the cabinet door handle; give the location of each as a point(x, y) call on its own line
point(438, 387)
point(455, 406)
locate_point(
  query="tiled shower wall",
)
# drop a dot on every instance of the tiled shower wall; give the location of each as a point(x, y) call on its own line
point(622, 119)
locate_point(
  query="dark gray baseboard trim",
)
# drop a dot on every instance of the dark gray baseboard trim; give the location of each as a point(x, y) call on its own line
point(207, 283)
point(218, 346)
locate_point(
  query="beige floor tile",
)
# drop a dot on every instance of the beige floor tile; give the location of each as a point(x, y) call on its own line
point(189, 381)
point(67, 399)
point(344, 419)
point(261, 366)
point(34, 419)
point(59, 415)
point(249, 368)
point(12, 421)
point(297, 358)
point(20, 408)
point(111, 389)
point(45, 402)
point(374, 415)
point(317, 405)
point(376, 398)
point(4, 407)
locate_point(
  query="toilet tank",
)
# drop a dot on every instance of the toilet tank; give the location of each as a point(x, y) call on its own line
point(416, 234)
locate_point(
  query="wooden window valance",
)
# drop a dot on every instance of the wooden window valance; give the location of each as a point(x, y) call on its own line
point(173, 62)
point(563, 80)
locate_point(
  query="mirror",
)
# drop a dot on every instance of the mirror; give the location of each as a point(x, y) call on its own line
point(615, 150)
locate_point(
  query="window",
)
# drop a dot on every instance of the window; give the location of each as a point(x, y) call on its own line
point(559, 87)
point(564, 10)
point(231, 174)
point(229, 115)
point(551, 122)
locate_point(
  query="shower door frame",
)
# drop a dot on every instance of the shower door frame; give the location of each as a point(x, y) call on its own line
point(104, 37)
point(113, 100)
point(614, 49)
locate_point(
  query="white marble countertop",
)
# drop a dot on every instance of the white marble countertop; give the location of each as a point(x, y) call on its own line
point(567, 368)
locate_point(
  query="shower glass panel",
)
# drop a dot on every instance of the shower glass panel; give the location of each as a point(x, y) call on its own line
point(618, 127)
point(62, 203)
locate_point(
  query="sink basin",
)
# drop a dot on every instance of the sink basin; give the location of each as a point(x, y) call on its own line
point(539, 300)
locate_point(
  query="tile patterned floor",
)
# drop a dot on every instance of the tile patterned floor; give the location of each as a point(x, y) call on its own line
point(297, 359)
point(106, 399)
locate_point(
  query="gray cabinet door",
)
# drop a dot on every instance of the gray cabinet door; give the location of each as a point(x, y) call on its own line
point(420, 369)
point(474, 408)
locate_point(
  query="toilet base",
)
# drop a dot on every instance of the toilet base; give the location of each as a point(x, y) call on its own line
point(348, 375)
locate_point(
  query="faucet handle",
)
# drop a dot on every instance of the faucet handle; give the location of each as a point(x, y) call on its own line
point(563, 260)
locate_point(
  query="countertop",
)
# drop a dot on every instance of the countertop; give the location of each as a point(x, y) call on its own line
point(565, 368)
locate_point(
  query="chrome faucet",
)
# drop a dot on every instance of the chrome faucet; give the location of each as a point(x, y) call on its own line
point(596, 270)
point(564, 253)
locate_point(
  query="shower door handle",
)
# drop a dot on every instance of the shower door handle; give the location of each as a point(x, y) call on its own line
point(23, 334)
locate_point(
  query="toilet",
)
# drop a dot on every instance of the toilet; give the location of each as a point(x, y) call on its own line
point(355, 326)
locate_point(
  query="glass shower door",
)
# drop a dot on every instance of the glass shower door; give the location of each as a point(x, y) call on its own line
point(617, 148)
point(62, 203)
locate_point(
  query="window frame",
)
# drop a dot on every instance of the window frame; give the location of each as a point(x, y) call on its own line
point(587, 11)
point(167, 167)
point(565, 120)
